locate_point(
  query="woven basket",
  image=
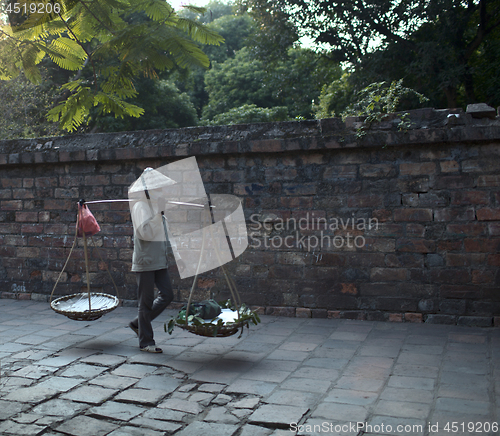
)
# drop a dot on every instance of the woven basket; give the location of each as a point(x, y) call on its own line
point(212, 330)
point(76, 306)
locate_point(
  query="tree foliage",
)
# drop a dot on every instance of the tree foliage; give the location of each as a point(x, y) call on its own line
point(165, 107)
point(438, 46)
point(249, 113)
point(294, 82)
point(117, 39)
point(24, 106)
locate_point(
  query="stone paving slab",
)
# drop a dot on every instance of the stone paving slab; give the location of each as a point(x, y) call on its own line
point(286, 376)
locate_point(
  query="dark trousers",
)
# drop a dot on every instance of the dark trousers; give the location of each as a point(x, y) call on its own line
point(149, 306)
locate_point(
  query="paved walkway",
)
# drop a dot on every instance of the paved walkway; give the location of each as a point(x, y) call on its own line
point(286, 376)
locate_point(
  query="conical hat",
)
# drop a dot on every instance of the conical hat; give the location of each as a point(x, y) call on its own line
point(150, 179)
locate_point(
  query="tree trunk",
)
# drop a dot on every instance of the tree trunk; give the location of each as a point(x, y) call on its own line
point(451, 96)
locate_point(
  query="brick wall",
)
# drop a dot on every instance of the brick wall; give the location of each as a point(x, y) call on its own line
point(344, 221)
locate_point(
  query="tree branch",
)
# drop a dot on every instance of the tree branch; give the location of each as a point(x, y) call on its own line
point(89, 56)
point(482, 30)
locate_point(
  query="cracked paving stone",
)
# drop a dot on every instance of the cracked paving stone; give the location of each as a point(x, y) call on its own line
point(203, 398)
point(214, 388)
point(61, 384)
point(47, 421)
point(255, 430)
point(85, 426)
point(136, 370)
point(221, 399)
point(141, 396)
point(164, 426)
point(83, 370)
point(157, 382)
point(135, 431)
point(186, 388)
point(34, 372)
point(115, 410)
point(165, 415)
point(201, 428)
point(181, 405)
point(277, 415)
point(34, 394)
point(339, 412)
point(113, 381)
point(221, 415)
point(297, 398)
point(242, 386)
point(181, 395)
point(246, 403)
point(104, 359)
point(27, 418)
point(58, 407)
point(241, 413)
point(89, 394)
point(19, 429)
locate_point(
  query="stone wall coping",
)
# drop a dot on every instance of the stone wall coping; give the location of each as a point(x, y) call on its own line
point(421, 126)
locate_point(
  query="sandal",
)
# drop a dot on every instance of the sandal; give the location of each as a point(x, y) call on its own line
point(152, 349)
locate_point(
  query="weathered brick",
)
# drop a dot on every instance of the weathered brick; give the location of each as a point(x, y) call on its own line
point(395, 317)
point(280, 311)
point(415, 245)
point(26, 217)
point(454, 214)
point(11, 205)
point(299, 189)
point(266, 145)
point(470, 197)
point(377, 170)
point(66, 193)
point(388, 274)
point(459, 291)
point(494, 259)
point(365, 200)
point(487, 214)
point(413, 215)
point(97, 180)
point(22, 194)
point(27, 252)
point(454, 182)
point(415, 230)
point(471, 229)
point(413, 317)
point(341, 172)
point(234, 176)
point(417, 169)
point(440, 319)
point(465, 259)
point(482, 245)
point(449, 166)
point(483, 276)
point(46, 182)
point(488, 181)
point(303, 312)
point(450, 276)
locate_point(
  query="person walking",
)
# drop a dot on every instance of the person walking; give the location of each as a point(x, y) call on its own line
point(149, 262)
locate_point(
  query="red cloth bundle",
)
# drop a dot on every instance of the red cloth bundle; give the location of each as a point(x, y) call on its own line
point(86, 221)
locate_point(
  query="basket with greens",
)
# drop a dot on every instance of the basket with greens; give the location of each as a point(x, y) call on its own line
point(228, 319)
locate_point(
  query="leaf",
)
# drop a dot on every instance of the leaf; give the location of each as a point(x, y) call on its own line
point(158, 10)
point(72, 113)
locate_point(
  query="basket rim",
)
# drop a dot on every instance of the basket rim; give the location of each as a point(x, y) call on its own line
point(208, 329)
point(85, 312)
